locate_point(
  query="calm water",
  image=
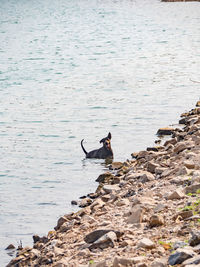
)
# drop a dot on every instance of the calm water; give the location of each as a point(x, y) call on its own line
point(73, 69)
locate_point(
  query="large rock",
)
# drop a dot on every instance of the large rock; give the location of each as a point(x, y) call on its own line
point(151, 166)
point(180, 256)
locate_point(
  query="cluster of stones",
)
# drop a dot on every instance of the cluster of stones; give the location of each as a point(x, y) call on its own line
point(144, 213)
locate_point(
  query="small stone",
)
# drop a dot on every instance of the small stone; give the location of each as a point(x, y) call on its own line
point(116, 165)
point(192, 188)
point(198, 104)
point(195, 239)
point(177, 194)
point(74, 202)
point(136, 215)
point(195, 260)
point(11, 246)
point(159, 263)
point(85, 202)
point(126, 243)
point(122, 202)
point(160, 207)
point(184, 214)
point(107, 240)
point(146, 243)
point(180, 256)
point(62, 220)
point(189, 164)
point(98, 264)
point(156, 220)
point(105, 177)
point(142, 265)
point(122, 261)
point(111, 188)
point(151, 166)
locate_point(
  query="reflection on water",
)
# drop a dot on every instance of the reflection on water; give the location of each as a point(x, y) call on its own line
point(78, 69)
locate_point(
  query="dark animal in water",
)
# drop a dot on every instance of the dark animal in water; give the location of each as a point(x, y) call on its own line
point(104, 152)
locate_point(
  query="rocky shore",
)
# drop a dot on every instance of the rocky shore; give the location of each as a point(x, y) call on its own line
point(144, 213)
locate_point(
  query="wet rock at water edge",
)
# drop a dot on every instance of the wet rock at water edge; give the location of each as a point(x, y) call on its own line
point(74, 202)
point(116, 165)
point(165, 131)
point(11, 246)
point(105, 177)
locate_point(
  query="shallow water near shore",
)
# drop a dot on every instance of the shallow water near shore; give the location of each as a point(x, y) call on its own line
point(78, 69)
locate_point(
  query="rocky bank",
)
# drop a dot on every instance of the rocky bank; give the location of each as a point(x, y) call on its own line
point(145, 212)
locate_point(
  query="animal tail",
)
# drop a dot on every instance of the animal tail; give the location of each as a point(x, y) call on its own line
point(83, 147)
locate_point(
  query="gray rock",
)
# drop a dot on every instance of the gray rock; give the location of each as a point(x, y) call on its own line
point(165, 131)
point(180, 256)
point(195, 239)
point(93, 236)
point(195, 260)
point(107, 240)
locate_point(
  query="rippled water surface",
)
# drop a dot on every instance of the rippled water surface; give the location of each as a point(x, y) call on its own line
point(74, 69)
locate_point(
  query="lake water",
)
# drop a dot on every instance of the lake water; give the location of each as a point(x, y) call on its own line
point(74, 69)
